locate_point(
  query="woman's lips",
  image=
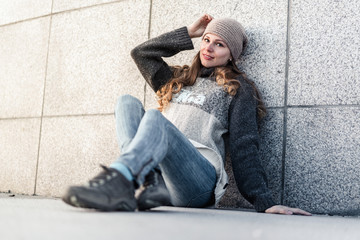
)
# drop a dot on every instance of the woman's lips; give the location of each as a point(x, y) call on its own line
point(207, 57)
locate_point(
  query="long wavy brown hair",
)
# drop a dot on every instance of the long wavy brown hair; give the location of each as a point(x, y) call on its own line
point(225, 76)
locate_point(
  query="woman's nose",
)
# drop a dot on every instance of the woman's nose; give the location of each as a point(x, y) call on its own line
point(209, 47)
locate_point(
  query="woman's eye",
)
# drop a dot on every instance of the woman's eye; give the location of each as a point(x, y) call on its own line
point(206, 40)
point(220, 44)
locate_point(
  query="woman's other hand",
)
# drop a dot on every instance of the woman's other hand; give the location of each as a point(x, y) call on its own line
point(280, 209)
point(197, 28)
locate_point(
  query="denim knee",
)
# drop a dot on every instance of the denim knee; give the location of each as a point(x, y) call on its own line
point(154, 114)
point(127, 99)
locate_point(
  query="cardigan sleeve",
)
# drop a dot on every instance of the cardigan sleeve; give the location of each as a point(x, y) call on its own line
point(249, 175)
point(148, 55)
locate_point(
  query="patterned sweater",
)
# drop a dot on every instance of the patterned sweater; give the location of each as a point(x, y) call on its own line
point(210, 117)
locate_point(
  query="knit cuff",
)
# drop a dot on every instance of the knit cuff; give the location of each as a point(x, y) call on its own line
point(263, 202)
point(183, 38)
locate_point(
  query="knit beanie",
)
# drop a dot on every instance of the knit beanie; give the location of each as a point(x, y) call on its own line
point(231, 31)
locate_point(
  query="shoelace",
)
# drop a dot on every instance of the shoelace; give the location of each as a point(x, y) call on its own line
point(152, 179)
point(104, 176)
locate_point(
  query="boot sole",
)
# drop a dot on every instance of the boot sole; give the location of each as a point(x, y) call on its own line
point(148, 204)
point(77, 201)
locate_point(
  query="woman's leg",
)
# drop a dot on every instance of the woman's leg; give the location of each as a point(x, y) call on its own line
point(128, 114)
point(190, 185)
point(110, 190)
point(189, 176)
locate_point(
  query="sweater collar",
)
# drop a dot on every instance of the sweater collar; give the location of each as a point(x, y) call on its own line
point(206, 72)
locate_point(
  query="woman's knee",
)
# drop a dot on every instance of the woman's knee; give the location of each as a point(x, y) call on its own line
point(154, 114)
point(127, 101)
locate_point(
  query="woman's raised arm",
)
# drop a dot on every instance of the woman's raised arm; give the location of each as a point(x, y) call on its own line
point(148, 55)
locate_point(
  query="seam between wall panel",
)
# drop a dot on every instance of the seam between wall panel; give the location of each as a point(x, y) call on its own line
point(283, 163)
point(60, 12)
point(43, 102)
point(148, 37)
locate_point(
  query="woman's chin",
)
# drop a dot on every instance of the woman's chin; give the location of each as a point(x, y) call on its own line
point(206, 65)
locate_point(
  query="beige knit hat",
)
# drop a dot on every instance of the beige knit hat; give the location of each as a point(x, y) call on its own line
point(231, 31)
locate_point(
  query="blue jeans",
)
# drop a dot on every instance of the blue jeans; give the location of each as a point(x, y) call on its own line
point(148, 139)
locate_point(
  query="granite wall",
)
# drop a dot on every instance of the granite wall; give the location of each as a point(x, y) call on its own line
point(64, 63)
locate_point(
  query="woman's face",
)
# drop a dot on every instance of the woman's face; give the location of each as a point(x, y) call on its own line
point(213, 51)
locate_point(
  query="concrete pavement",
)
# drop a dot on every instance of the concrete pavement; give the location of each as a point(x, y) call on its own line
point(25, 217)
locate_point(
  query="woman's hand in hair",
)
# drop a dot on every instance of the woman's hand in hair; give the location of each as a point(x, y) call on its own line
point(280, 209)
point(197, 28)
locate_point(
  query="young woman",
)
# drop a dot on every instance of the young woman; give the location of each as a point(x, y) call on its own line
point(177, 154)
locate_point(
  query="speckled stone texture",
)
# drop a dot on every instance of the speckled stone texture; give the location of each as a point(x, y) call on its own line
point(23, 50)
point(17, 10)
point(89, 62)
point(324, 53)
point(19, 141)
point(150, 98)
point(265, 23)
point(322, 160)
point(72, 149)
point(64, 5)
point(271, 136)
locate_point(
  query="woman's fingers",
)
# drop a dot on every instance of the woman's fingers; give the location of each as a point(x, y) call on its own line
point(197, 28)
point(207, 18)
point(300, 211)
point(280, 209)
